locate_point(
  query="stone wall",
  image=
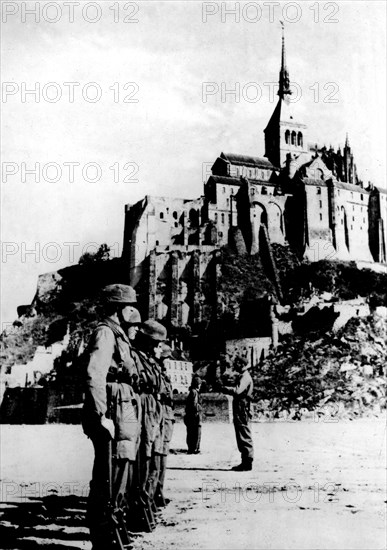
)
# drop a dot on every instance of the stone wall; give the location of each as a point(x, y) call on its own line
point(216, 407)
point(64, 406)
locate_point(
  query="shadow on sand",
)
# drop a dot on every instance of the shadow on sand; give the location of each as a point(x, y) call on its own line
point(55, 522)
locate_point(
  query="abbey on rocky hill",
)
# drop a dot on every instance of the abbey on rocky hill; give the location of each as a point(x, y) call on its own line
point(300, 195)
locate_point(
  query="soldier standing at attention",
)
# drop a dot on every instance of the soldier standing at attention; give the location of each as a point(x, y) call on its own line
point(168, 424)
point(109, 402)
point(193, 418)
point(149, 342)
point(242, 394)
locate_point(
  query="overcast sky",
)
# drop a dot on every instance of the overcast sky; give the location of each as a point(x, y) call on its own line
point(166, 51)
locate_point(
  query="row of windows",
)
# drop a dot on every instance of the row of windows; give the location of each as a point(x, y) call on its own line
point(254, 190)
point(294, 138)
point(249, 172)
point(222, 218)
point(361, 227)
point(353, 208)
point(361, 194)
point(174, 214)
point(224, 190)
point(178, 365)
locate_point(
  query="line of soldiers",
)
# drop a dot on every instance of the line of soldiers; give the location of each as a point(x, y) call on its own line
point(128, 415)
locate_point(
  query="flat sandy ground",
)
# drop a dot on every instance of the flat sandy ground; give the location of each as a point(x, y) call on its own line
point(314, 486)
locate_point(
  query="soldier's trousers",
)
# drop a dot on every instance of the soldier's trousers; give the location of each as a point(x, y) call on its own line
point(244, 439)
point(194, 435)
point(99, 495)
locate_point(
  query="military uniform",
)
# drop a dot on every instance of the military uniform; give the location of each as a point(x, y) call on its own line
point(242, 394)
point(168, 424)
point(109, 394)
point(193, 418)
point(151, 387)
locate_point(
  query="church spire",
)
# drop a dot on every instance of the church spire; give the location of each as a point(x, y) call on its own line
point(284, 82)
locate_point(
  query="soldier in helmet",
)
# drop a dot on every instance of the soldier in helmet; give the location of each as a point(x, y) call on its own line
point(111, 412)
point(242, 394)
point(149, 346)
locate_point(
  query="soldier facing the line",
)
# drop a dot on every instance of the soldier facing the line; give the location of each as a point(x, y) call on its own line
point(242, 394)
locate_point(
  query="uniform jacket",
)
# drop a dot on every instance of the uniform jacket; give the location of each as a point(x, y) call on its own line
point(109, 370)
point(150, 385)
point(193, 407)
point(242, 394)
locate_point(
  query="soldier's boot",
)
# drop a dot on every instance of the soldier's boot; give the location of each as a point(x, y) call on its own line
point(159, 498)
point(245, 466)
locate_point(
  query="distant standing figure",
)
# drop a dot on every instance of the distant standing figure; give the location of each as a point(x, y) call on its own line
point(193, 417)
point(242, 394)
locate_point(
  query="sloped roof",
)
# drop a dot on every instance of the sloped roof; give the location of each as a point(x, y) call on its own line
point(381, 189)
point(224, 180)
point(338, 184)
point(245, 160)
point(284, 112)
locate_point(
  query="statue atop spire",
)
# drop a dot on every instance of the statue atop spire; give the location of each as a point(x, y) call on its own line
point(284, 81)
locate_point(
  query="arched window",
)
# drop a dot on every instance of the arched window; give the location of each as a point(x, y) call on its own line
point(252, 191)
point(264, 191)
point(161, 215)
point(299, 139)
point(222, 218)
point(294, 137)
point(175, 215)
point(287, 137)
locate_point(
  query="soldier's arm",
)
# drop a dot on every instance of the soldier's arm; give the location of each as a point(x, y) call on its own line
point(242, 386)
point(101, 353)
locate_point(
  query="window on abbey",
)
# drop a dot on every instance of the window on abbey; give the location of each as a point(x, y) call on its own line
point(293, 138)
point(299, 139)
point(287, 137)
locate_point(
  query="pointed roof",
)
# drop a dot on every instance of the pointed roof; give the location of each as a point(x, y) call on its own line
point(283, 112)
point(284, 82)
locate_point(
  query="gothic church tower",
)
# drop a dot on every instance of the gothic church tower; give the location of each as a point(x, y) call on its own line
point(283, 135)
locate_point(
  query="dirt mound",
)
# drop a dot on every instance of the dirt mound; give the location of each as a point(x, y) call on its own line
point(342, 374)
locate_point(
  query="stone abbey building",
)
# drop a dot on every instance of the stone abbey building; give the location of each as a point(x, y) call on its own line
point(299, 195)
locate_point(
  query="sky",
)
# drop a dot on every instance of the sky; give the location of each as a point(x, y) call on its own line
point(131, 98)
